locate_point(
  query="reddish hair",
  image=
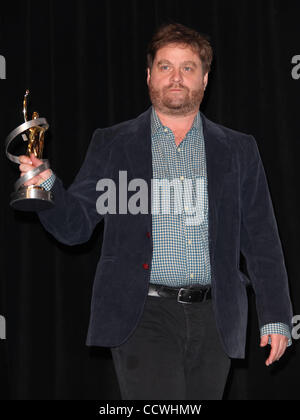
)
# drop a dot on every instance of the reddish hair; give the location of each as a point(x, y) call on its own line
point(175, 33)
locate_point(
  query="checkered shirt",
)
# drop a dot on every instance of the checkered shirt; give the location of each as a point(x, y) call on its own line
point(49, 182)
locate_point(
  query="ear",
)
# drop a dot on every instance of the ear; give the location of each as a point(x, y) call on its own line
point(205, 80)
point(148, 75)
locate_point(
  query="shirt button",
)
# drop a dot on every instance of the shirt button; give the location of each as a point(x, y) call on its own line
point(146, 266)
point(166, 130)
point(178, 149)
point(192, 275)
point(181, 178)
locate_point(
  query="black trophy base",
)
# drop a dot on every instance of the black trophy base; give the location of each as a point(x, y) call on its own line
point(32, 198)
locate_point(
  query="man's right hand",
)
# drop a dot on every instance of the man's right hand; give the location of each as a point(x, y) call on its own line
point(28, 164)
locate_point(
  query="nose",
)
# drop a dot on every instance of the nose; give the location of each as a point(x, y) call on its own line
point(176, 76)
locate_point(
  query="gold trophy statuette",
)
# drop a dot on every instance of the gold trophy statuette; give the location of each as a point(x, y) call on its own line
point(30, 198)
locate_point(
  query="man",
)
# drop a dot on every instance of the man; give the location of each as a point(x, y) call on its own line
point(168, 297)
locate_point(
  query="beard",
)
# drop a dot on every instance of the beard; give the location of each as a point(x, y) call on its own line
point(180, 103)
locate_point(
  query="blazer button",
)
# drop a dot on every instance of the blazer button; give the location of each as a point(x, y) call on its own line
point(146, 266)
point(148, 235)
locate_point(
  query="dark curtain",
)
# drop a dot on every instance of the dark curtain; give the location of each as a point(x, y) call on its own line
point(84, 63)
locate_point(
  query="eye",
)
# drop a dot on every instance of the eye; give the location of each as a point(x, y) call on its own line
point(188, 68)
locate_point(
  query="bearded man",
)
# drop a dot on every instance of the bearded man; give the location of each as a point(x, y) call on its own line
point(169, 297)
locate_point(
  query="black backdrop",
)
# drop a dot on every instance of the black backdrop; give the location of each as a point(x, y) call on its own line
point(84, 62)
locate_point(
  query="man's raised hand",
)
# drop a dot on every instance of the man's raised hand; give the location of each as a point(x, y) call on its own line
point(28, 164)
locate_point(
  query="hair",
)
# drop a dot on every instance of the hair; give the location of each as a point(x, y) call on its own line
point(175, 33)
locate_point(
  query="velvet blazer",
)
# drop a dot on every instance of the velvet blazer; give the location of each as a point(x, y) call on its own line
point(241, 220)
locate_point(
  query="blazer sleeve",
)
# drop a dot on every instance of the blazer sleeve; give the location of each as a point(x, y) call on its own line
point(261, 245)
point(74, 216)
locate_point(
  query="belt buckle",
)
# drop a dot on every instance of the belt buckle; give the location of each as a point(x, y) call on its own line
point(178, 297)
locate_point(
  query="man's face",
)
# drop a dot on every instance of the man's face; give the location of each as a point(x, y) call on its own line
point(176, 81)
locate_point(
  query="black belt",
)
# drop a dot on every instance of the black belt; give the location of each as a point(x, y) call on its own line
point(181, 294)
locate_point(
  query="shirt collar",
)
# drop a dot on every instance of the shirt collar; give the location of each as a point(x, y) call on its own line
point(157, 126)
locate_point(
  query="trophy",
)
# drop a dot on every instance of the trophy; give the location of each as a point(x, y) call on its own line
point(30, 198)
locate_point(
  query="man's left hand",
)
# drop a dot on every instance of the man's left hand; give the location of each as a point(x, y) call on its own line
point(279, 344)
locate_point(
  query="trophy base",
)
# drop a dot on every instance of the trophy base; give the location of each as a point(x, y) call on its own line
point(32, 198)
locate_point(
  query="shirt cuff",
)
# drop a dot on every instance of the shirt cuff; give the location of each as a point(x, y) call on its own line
point(276, 328)
point(48, 183)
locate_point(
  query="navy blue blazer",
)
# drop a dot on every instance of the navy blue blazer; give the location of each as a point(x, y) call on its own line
point(241, 219)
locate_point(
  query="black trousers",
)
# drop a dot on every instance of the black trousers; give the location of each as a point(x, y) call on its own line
point(174, 354)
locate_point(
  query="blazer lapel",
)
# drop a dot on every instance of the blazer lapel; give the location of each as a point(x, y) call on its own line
point(218, 164)
point(139, 152)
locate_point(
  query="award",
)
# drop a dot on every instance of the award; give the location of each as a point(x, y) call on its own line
point(30, 198)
